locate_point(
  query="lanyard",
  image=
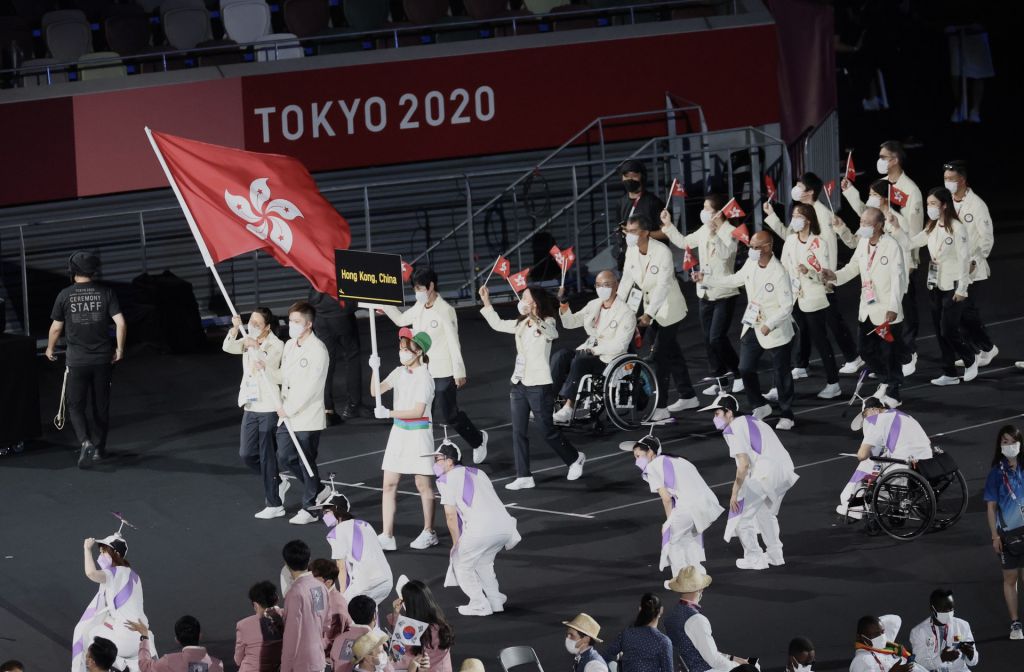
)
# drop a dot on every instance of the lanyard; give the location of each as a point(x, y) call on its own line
point(636, 202)
point(1007, 482)
point(881, 667)
point(597, 318)
point(940, 643)
point(871, 257)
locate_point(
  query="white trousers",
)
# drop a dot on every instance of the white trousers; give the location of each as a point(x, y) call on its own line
point(758, 518)
point(377, 591)
point(681, 545)
point(472, 563)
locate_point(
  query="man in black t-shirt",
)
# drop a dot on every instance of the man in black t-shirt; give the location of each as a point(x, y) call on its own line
point(82, 312)
point(336, 326)
point(637, 201)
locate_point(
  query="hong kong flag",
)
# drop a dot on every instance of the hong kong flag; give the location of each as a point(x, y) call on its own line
point(884, 332)
point(851, 172)
point(742, 234)
point(689, 261)
point(897, 197)
point(677, 189)
point(732, 210)
point(237, 201)
point(518, 280)
point(502, 267)
point(769, 186)
point(406, 271)
point(830, 186)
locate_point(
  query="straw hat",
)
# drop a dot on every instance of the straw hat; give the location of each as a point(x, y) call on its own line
point(365, 644)
point(472, 665)
point(585, 624)
point(689, 580)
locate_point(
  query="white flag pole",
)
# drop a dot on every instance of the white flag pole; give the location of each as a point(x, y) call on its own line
point(208, 260)
point(492, 269)
point(373, 347)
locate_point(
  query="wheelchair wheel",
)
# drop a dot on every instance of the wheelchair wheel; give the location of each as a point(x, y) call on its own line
point(630, 393)
point(950, 499)
point(903, 504)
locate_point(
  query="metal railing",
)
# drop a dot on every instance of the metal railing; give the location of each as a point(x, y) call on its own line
point(817, 151)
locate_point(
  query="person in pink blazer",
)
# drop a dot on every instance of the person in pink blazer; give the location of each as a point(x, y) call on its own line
point(192, 657)
point(338, 621)
point(258, 637)
point(417, 601)
point(363, 612)
point(305, 612)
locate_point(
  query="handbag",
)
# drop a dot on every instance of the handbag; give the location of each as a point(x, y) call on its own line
point(1013, 539)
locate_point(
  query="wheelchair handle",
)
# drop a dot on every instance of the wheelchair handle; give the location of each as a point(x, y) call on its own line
point(890, 460)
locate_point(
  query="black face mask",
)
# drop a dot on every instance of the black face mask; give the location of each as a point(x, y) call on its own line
point(631, 186)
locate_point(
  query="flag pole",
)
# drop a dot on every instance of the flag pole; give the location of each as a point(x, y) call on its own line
point(372, 308)
point(492, 270)
point(208, 260)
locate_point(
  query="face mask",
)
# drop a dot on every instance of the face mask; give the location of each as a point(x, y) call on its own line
point(802, 668)
point(874, 201)
point(797, 224)
point(951, 186)
point(878, 642)
point(882, 165)
point(254, 331)
point(632, 239)
point(720, 423)
point(104, 561)
point(865, 232)
point(406, 357)
point(944, 617)
point(754, 255)
point(421, 297)
point(329, 519)
point(797, 192)
point(632, 186)
point(933, 213)
point(570, 645)
point(438, 469)
point(1011, 450)
point(295, 330)
point(641, 463)
point(705, 216)
point(523, 308)
point(604, 293)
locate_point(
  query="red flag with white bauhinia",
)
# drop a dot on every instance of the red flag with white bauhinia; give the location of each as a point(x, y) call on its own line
point(897, 197)
point(769, 186)
point(830, 186)
point(518, 280)
point(502, 267)
point(732, 210)
point(813, 261)
point(741, 234)
point(851, 172)
point(884, 332)
point(406, 271)
point(242, 201)
point(689, 261)
point(556, 254)
point(677, 189)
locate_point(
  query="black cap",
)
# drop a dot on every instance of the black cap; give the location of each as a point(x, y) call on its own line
point(448, 450)
point(84, 262)
point(873, 402)
point(650, 442)
point(726, 402)
point(633, 166)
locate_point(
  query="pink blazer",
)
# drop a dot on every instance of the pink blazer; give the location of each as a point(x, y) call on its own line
point(178, 662)
point(258, 643)
point(337, 621)
point(305, 611)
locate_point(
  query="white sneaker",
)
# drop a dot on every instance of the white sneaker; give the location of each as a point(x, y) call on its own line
point(799, 373)
point(712, 391)
point(776, 559)
point(683, 405)
point(660, 414)
point(985, 357)
point(785, 424)
point(426, 539)
point(497, 602)
point(852, 514)
point(303, 517)
point(945, 380)
point(762, 412)
point(737, 386)
point(562, 416)
point(880, 391)
point(910, 368)
point(1019, 365)
point(476, 610)
point(480, 452)
point(387, 543)
point(521, 483)
point(758, 562)
point(1016, 631)
point(626, 446)
point(971, 372)
point(576, 468)
point(852, 367)
point(891, 402)
point(282, 489)
point(831, 391)
point(772, 394)
point(323, 495)
point(270, 512)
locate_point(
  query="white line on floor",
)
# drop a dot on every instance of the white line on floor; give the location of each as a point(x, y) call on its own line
point(378, 452)
point(980, 424)
point(557, 513)
point(557, 466)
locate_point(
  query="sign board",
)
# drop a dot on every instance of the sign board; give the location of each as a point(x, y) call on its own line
point(370, 277)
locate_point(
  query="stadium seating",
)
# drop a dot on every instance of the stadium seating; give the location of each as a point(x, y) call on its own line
point(68, 34)
point(278, 47)
point(245, 20)
point(307, 17)
point(101, 65)
point(185, 27)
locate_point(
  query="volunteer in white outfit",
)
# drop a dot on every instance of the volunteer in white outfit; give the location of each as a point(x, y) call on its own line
point(767, 324)
point(435, 316)
point(948, 280)
point(411, 436)
point(531, 382)
point(649, 279)
point(943, 642)
point(878, 261)
point(257, 396)
point(363, 568)
point(609, 324)
point(764, 473)
point(479, 525)
point(876, 649)
point(804, 256)
point(716, 249)
point(690, 505)
point(302, 376)
point(808, 190)
point(887, 433)
point(973, 212)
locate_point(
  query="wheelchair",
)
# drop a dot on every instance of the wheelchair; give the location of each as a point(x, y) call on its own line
point(625, 393)
point(906, 498)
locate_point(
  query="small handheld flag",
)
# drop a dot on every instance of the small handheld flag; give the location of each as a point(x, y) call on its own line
point(851, 172)
point(884, 332)
point(677, 189)
point(769, 185)
point(830, 186)
point(741, 234)
point(406, 271)
point(897, 197)
point(518, 280)
point(689, 261)
point(732, 210)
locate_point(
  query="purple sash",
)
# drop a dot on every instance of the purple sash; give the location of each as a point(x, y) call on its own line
point(125, 593)
point(894, 433)
point(666, 534)
point(468, 486)
point(357, 540)
point(755, 435)
point(670, 474)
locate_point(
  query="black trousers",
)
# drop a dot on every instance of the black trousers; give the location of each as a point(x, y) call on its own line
point(911, 318)
point(814, 329)
point(715, 322)
point(971, 325)
point(541, 400)
point(946, 316)
point(568, 368)
point(750, 354)
point(668, 361)
point(447, 411)
point(341, 337)
point(288, 457)
point(840, 332)
point(88, 389)
point(882, 357)
point(258, 451)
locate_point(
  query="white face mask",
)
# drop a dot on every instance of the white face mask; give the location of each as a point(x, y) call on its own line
point(933, 213)
point(865, 232)
point(705, 216)
point(523, 308)
point(797, 192)
point(878, 642)
point(632, 239)
point(882, 165)
point(406, 357)
point(421, 296)
point(754, 255)
point(797, 224)
point(944, 617)
point(952, 186)
point(296, 330)
point(570, 645)
point(874, 201)
point(604, 293)
point(802, 668)
point(1011, 449)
